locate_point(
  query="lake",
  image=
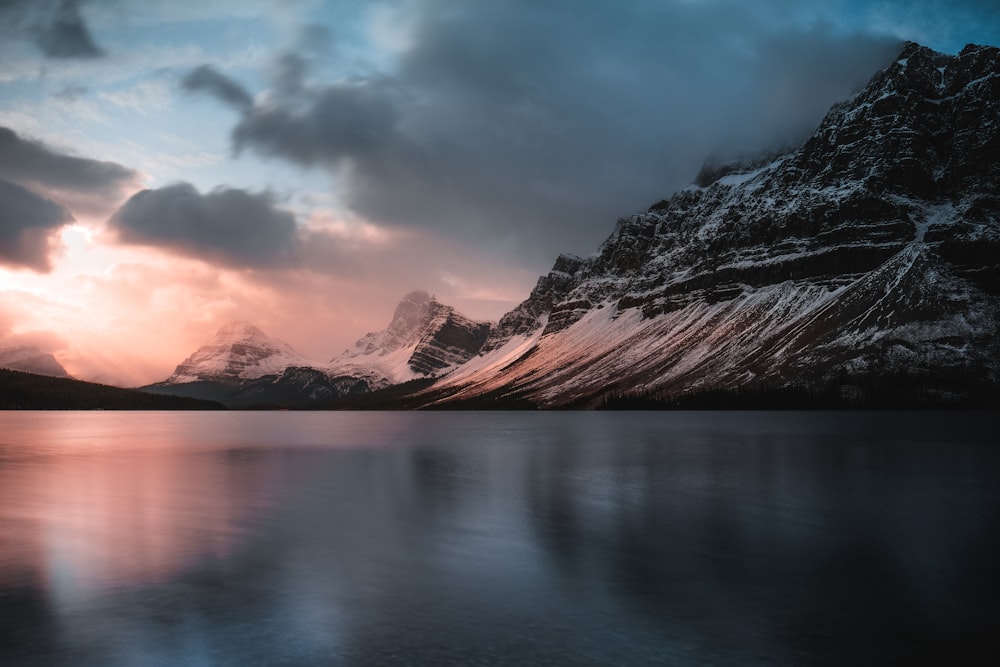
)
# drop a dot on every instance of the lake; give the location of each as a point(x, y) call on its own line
point(519, 538)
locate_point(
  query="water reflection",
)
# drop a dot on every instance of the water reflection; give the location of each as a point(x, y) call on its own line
point(80, 524)
point(496, 539)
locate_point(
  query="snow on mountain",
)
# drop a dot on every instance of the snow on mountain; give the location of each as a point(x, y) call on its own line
point(239, 351)
point(425, 338)
point(30, 359)
point(871, 252)
point(241, 366)
point(866, 260)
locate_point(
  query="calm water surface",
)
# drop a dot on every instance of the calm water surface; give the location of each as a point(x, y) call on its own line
point(498, 538)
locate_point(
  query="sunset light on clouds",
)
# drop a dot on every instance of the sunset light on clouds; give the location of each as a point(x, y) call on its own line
point(169, 167)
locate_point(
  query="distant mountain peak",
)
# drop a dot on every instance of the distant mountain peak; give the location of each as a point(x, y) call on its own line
point(408, 316)
point(423, 338)
point(238, 351)
point(240, 329)
point(31, 359)
point(417, 296)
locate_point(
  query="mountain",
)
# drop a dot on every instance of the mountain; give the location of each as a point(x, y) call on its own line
point(425, 338)
point(29, 391)
point(863, 266)
point(242, 367)
point(239, 351)
point(30, 359)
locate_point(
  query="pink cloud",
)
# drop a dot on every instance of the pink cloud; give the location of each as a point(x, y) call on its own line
point(129, 315)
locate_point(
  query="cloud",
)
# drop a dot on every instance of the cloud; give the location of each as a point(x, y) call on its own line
point(143, 97)
point(207, 79)
point(46, 341)
point(228, 225)
point(250, 233)
point(65, 35)
point(315, 38)
point(183, 300)
point(344, 121)
point(27, 225)
point(84, 185)
point(289, 73)
point(530, 127)
point(56, 27)
point(70, 93)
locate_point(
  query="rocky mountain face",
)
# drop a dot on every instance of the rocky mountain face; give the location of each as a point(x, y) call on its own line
point(241, 366)
point(238, 351)
point(424, 338)
point(871, 252)
point(863, 264)
point(30, 359)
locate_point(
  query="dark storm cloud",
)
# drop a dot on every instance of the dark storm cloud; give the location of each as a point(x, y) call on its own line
point(231, 226)
point(22, 158)
point(533, 126)
point(342, 122)
point(289, 73)
point(27, 223)
point(63, 34)
point(85, 185)
point(56, 26)
point(207, 79)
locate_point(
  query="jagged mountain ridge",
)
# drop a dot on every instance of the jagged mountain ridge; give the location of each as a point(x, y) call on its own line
point(238, 351)
point(242, 366)
point(30, 359)
point(872, 250)
point(869, 252)
point(424, 338)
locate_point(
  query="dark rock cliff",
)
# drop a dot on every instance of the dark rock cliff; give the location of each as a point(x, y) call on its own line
point(871, 250)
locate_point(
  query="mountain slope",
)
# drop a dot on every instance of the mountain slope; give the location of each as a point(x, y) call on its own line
point(238, 351)
point(30, 359)
point(424, 338)
point(242, 367)
point(872, 251)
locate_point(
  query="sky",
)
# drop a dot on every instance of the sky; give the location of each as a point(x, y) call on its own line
point(167, 167)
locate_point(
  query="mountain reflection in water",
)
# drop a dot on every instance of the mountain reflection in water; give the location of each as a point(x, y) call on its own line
point(497, 538)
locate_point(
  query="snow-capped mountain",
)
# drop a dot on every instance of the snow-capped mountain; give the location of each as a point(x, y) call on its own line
point(238, 351)
point(865, 261)
point(30, 359)
point(242, 366)
point(425, 338)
